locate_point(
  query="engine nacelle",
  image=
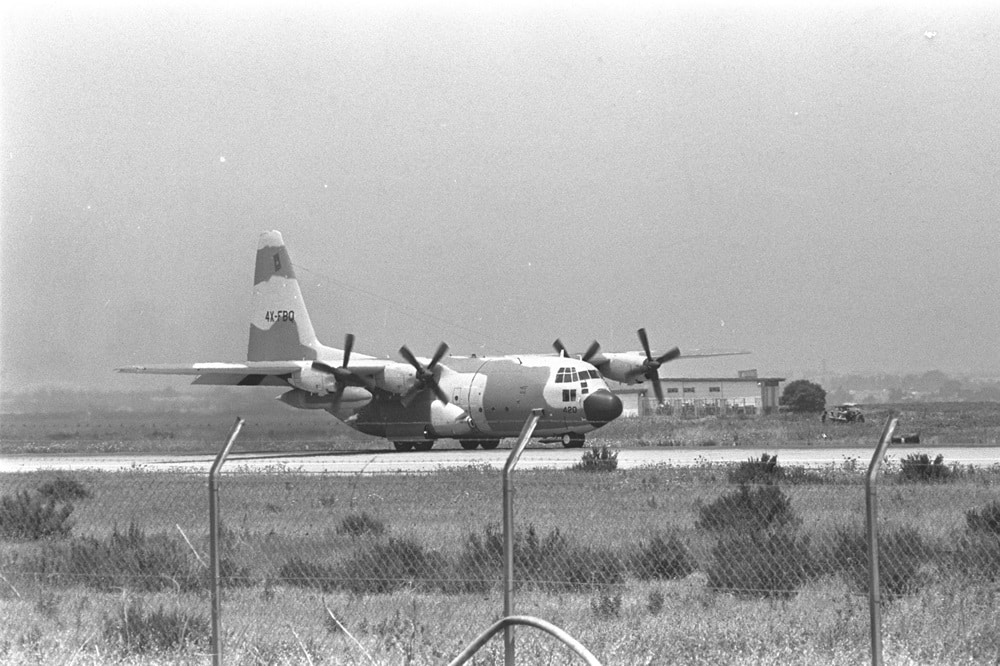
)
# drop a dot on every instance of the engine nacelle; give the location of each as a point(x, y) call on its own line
point(397, 378)
point(354, 397)
point(625, 367)
point(449, 420)
point(312, 381)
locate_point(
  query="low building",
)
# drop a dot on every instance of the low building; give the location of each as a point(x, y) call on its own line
point(702, 396)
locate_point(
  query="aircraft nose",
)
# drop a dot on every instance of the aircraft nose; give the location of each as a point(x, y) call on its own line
point(602, 407)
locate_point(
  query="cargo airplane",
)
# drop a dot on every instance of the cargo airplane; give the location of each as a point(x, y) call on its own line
point(475, 399)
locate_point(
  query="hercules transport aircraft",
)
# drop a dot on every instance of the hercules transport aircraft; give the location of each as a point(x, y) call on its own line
point(476, 399)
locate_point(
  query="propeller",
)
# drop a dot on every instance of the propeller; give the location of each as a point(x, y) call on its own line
point(592, 351)
point(651, 366)
point(425, 374)
point(342, 375)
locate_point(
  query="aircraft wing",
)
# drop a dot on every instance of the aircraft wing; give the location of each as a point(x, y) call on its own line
point(258, 373)
point(250, 373)
point(708, 353)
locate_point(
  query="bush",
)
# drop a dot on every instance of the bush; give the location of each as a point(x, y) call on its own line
point(302, 573)
point(133, 631)
point(919, 468)
point(986, 520)
point(761, 565)
point(551, 563)
point(598, 459)
point(765, 470)
point(63, 488)
point(662, 558)
point(399, 563)
point(124, 560)
point(606, 606)
point(803, 396)
point(747, 510)
point(361, 524)
point(901, 553)
point(31, 515)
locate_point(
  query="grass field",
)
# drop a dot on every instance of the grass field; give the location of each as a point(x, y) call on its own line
point(636, 564)
point(278, 428)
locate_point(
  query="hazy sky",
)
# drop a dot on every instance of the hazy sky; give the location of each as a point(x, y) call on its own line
point(814, 186)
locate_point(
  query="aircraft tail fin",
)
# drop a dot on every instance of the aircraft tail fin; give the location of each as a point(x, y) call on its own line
point(280, 329)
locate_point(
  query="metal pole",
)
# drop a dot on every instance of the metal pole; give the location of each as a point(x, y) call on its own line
point(213, 540)
point(871, 516)
point(508, 532)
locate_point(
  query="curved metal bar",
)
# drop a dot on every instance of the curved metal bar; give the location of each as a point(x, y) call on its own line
point(871, 518)
point(527, 620)
point(508, 529)
point(213, 540)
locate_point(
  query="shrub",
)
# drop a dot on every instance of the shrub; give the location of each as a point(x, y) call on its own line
point(598, 459)
point(29, 515)
point(985, 520)
point(398, 563)
point(63, 488)
point(552, 562)
point(761, 565)
point(361, 524)
point(129, 559)
point(654, 602)
point(662, 558)
point(133, 631)
point(748, 509)
point(765, 470)
point(978, 556)
point(606, 606)
point(901, 553)
point(918, 467)
point(302, 573)
point(803, 396)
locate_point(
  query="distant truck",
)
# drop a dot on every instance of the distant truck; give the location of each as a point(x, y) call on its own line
point(846, 413)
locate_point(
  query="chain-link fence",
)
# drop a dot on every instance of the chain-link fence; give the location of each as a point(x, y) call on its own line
point(722, 564)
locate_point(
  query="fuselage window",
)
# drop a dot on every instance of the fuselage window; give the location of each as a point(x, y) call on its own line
point(569, 395)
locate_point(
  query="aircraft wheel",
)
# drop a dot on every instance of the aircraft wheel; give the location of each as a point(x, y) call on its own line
point(403, 446)
point(424, 446)
point(468, 444)
point(490, 444)
point(573, 440)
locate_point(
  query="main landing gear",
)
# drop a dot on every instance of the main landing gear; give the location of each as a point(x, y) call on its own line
point(422, 445)
point(471, 444)
point(572, 440)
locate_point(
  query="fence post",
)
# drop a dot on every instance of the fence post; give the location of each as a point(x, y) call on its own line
point(871, 516)
point(508, 532)
point(213, 540)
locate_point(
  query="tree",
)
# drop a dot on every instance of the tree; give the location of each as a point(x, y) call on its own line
point(803, 396)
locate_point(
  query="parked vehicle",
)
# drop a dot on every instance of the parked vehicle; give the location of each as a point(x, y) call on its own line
point(846, 413)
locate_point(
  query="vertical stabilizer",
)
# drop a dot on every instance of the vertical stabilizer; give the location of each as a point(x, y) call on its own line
point(280, 329)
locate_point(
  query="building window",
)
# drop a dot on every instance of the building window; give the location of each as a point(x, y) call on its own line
point(689, 389)
point(715, 389)
point(672, 390)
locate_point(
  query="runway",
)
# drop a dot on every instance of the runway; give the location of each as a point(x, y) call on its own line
point(376, 461)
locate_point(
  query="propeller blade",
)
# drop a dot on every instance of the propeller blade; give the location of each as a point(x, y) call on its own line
point(593, 350)
point(669, 356)
point(658, 390)
point(323, 367)
point(438, 355)
point(645, 343)
point(348, 346)
point(559, 347)
point(410, 358)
